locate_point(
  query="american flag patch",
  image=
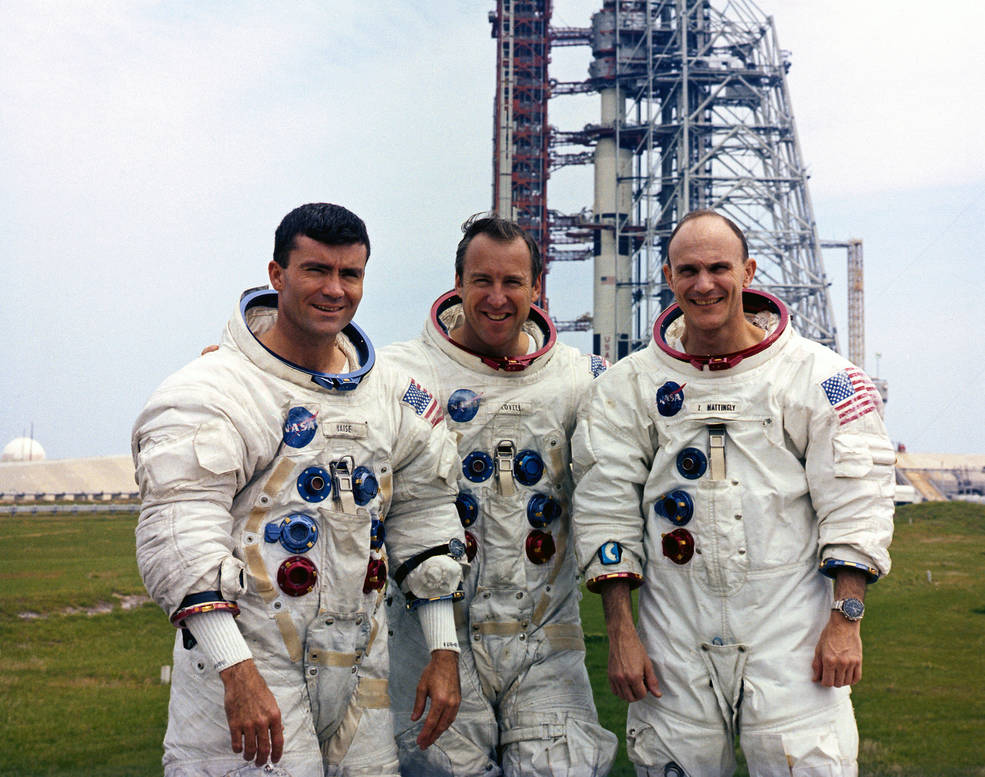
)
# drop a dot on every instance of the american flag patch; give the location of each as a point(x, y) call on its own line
point(852, 394)
point(599, 365)
point(423, 402)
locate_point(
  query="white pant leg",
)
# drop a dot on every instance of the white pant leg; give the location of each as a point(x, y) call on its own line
point(548, 723)
point(467, 748)
point(372, 751)
point(197, 741)
point(363, 744)
point(813, 736)
point(821, 744)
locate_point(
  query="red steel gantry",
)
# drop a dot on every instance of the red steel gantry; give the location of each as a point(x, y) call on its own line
point(521, 134)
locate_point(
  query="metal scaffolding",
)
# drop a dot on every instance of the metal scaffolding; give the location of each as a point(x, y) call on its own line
point(695, 114)
point(856, 298)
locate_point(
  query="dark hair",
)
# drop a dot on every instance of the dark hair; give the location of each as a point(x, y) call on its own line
point(330, 224)
point(502, 230)
point(696, 214)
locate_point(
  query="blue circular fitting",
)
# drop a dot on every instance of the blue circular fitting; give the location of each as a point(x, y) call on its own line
point(468, 508)
point(692, 463)
point(377, 533)
point(528, 467)
point(542, 510)
point(676, 506)
point(314, 484)
point(477, 466)
point(365, 486)
point(297, 533)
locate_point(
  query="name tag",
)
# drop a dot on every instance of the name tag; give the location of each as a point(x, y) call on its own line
point(721, 407)
point(348, 430)
point(514, 408)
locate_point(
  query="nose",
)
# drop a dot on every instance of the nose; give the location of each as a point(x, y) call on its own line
point(332, 285)
point(703, 282)
point(497, 294)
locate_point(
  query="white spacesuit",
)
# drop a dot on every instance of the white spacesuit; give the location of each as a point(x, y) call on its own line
point(269, 489)
point(526, 699)
point(720, 484)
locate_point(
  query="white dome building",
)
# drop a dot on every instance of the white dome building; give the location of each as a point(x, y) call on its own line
point(22, 449)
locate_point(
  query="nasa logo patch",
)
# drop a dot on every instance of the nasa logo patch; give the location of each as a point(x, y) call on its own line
point(670, 398)
point(299, 427)
point(463, 404)
point(610, 553)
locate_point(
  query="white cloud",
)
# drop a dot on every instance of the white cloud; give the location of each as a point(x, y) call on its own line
point(150, 148)
point(884, 93)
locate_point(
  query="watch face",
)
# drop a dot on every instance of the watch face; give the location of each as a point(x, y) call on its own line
point(456, 548)
point(853, 608)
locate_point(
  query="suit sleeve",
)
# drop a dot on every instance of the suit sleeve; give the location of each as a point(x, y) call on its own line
point(423, 514)
point(612, 451)
point(190, 461)
point(849, 464)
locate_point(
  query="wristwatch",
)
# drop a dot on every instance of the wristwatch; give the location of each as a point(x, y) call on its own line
point(852, 609)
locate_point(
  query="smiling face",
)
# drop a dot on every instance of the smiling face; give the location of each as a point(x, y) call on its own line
point(496, 288)
point(318, 293)
point(707, 273)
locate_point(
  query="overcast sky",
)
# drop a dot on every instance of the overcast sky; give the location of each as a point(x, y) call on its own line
point(149, 149)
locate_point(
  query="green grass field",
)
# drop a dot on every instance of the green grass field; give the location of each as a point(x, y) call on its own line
point(80, 694)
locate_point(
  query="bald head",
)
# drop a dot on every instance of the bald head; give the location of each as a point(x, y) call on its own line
point(706, 213)
point(707, 268)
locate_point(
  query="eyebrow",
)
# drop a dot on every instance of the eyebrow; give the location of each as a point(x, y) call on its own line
point(693, 265)
point(311, 264)
point(477, 274)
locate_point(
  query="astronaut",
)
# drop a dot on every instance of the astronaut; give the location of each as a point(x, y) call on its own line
point(281, 478)
point(510, 391)
point(728, 471)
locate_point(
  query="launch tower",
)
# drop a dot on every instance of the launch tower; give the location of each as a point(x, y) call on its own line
point(695, 113)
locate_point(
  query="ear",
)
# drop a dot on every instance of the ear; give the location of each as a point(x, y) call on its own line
point(276, 275)
point(748, 270)
point(537, 285)
point(458, 284)
point(668, 275)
